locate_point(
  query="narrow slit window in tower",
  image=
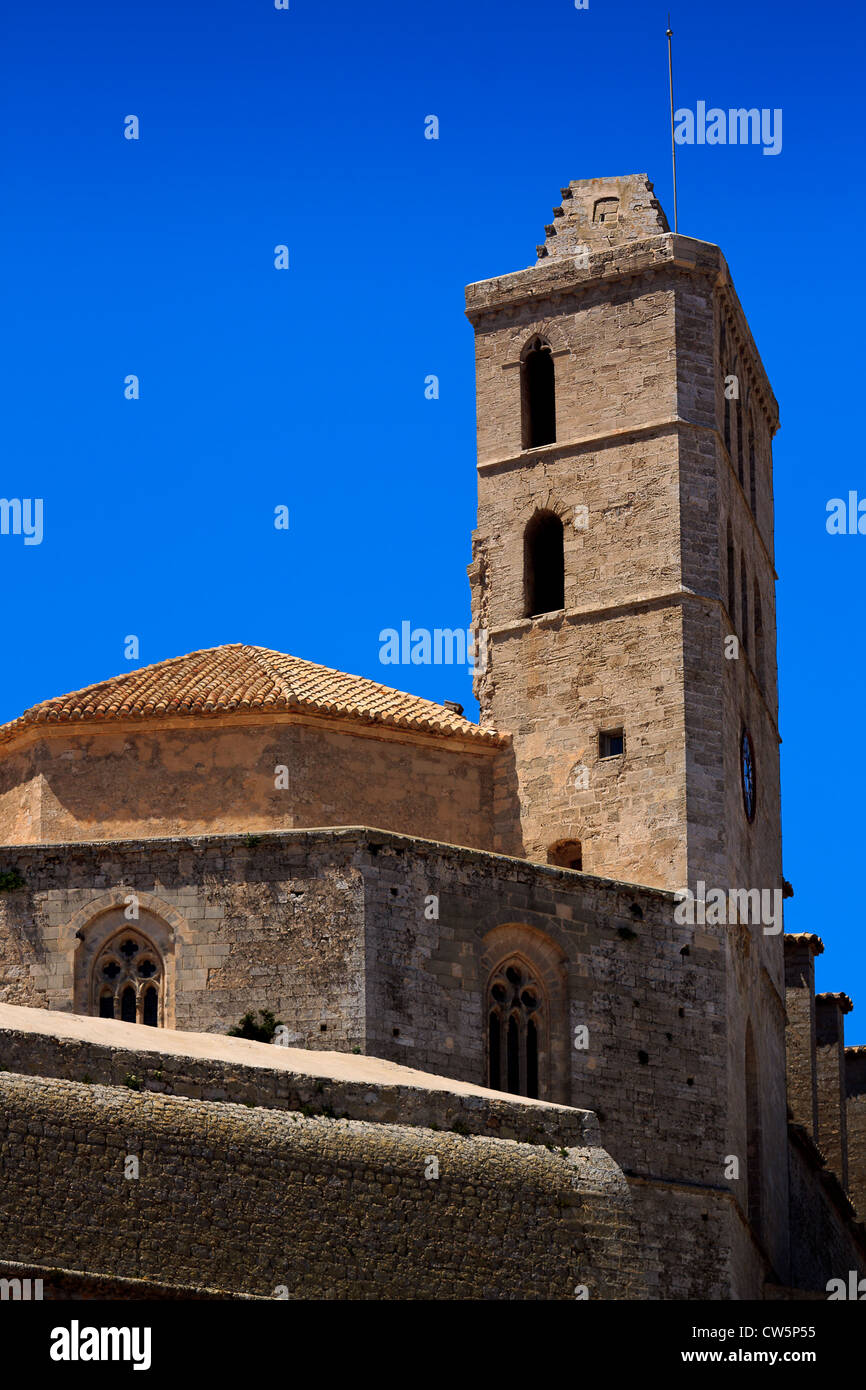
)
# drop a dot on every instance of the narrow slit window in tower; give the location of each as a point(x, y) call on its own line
point(538, 392)
point(544, 565)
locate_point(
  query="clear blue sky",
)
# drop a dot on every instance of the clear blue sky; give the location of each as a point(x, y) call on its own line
point(306, 388)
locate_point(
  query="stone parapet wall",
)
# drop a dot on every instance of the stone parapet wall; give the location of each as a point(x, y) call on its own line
point(245, 1200)
point(36, 1043)
point(826, 1242)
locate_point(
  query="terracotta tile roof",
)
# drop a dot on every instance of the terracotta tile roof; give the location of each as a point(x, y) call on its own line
point(806, 938)
point(845, 1004)
point(233, 678)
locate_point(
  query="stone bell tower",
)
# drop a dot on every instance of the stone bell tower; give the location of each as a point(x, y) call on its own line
point(625, 531)
point(623, 571)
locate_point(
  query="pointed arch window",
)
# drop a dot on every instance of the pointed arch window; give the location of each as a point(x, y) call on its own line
point(731, 595)
point(515, 1020)
point(544, 564)
point(129, 980)
point(753, 482)
point(538, 395)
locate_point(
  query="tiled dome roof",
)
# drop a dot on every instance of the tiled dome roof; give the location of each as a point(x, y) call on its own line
point(235, 678)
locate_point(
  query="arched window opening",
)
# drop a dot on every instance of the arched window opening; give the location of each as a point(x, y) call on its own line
point(538, 395)
point(544, 564)
point(129, 979)
point(753, 1136)
point(732, 604)
point(740, 432)
point(753, 485)
point(515, 1022)
point(744, 601)
point(566, 854)
point(759, 637)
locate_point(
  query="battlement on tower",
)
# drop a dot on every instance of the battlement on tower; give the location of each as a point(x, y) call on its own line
point(603, 212)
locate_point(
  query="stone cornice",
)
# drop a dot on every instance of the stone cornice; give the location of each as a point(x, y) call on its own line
point(201, 724)
point(565, 277)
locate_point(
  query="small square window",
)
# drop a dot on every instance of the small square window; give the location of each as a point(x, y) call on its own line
point(611, 744)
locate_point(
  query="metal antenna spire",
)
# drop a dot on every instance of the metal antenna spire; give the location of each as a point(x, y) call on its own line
point(670, 34)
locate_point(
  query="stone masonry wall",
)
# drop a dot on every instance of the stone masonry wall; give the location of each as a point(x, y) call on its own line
point(218, 776)
point(333, 928)
point(823, 1244)
point(613, 659)
point(274, 923)
point(800, 952)
point(855, 1104)
point(247, 1200)
point(830, 1010)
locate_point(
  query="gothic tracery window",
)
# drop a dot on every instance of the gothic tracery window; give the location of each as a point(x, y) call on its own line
point(515, 1017)
point(128, 980)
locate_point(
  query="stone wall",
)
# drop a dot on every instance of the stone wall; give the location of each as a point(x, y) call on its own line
point(274, 923)
point(613, 657)
point(855, 1105)
point(800, 952)
point(219, 776)
point(389, 943)
point(824, 1243)
point(241, 1199)
point(198, 1066)
point(830, 1011)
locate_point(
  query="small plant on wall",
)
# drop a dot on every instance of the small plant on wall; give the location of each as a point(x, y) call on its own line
point(257, 1032)
point(10, 881)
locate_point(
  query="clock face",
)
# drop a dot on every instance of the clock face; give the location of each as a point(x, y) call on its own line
point(747, 768)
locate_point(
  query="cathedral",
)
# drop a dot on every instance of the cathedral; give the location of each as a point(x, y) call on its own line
point(484, 915)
